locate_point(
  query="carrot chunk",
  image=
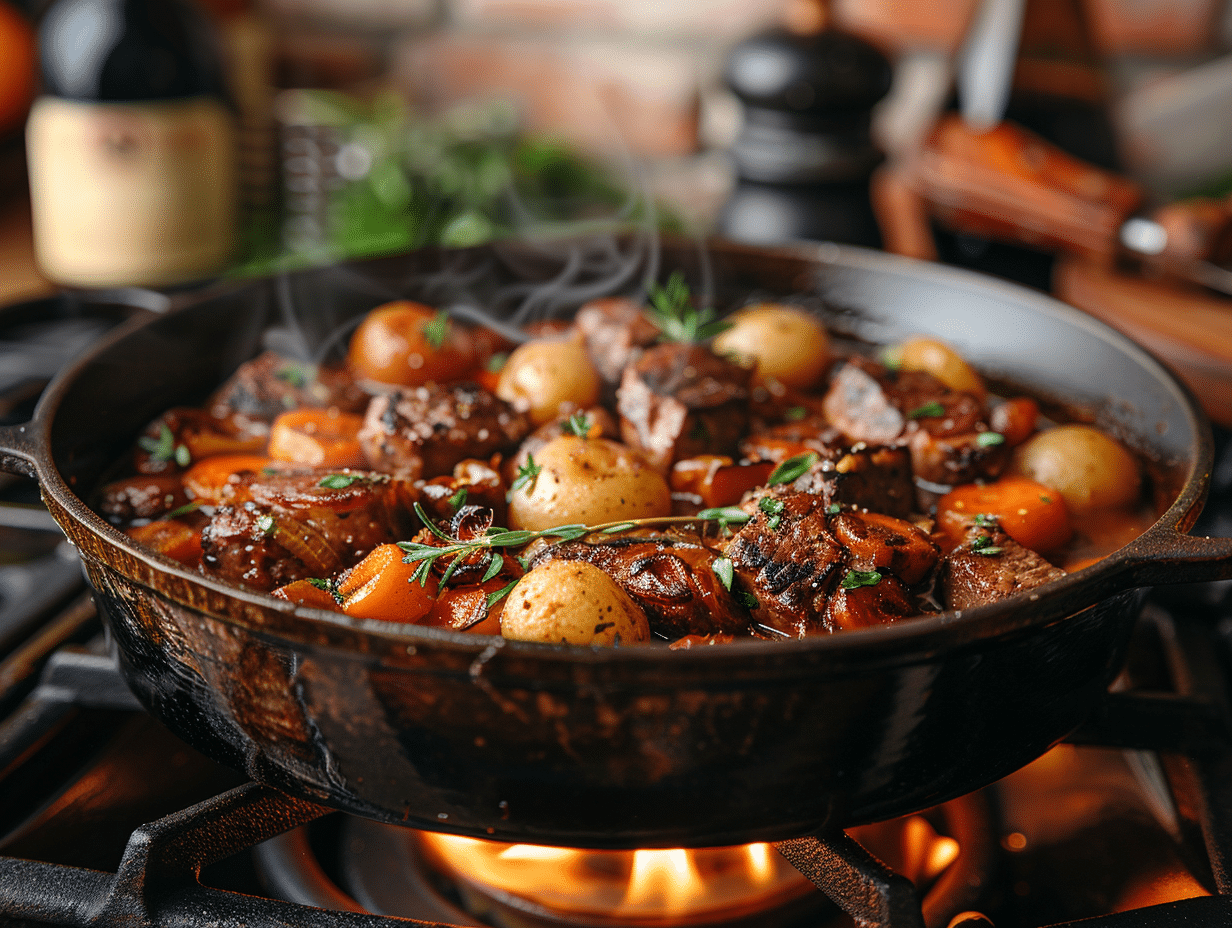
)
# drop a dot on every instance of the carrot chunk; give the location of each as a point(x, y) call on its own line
point(1032, 514)
point(382, 587)
point(209, 478)
point(306, 593)
point(317, 438)
point(170, 538)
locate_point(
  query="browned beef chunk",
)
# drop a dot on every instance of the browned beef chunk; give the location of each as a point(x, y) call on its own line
point(672, 579)
point(988, 566)
point(878, 479)
point(146, 496)
point(791, 567)
point(679, 401)
point(472, 482)
point(796, 553)
point(615, 331)
point(424, 432)
point(281, 528)
point(940, 426)
point(271, 384)
point(878, 603)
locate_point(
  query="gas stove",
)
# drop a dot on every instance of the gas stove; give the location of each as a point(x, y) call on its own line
point(107, 819)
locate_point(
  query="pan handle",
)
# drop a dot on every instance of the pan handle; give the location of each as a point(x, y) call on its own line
point(18, 450)
point(1181, 558)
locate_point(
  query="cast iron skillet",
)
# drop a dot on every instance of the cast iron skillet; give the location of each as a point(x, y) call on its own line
point(630, 747)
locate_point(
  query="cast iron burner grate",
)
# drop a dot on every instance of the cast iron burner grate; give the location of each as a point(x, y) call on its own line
point(157, 881)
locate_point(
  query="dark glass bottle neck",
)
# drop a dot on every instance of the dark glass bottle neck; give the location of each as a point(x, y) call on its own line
point(128, 51)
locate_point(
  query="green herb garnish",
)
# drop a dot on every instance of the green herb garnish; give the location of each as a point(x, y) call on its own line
point(989, 439)
point(526, 476)
point(726, 516)
point(295, 375)
point(773, 508)
point(436, 330)
point(161, 448)
point(339, 481)
point(723, 569)
point(675, 316)
point(502, 538)
point(458, 500)
point(498, 595)
point(858, 578)
point(795, 413)
point(184, 510)
point(496, 362)
point(984, 545)
point(266, 524)
point(792, 468)
point(927, 411)
point(578, 424)
point(329, 586)
point(748, 600)
point(833, 509)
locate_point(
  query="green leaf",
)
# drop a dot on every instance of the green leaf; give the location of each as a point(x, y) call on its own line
point(494, 567)
point(295, 375)
point(184, 510)
point(723, 569)
point(748, 600)
point(266, 524)
point(770, 505)
point(430, 525)
point(833, 509)
point(989, 439)
point(859, 578)
point(512, 539)
point(793, 468)
point(728, 515)
point(436, 330)
point(527, 473)
point(676, 318)
point(494, 598)
point(927, 411)
point(795, 413)
point(183, 456)
point(618, 528)
point(339, 481)
point(423, 571)
point(496, 362)
point(458, 500)
point(984, 545)
point(161, 448)
point(578, 424)
point(567, 532)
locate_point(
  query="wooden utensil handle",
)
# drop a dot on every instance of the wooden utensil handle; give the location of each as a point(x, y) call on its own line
point(1008, 183)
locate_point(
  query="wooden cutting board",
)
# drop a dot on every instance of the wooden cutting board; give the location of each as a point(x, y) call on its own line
point(1187, 328)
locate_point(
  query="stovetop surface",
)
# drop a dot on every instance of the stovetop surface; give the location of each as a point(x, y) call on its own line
point(100, 805)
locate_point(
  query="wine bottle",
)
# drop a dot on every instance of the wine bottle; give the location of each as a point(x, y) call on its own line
point(131, 145)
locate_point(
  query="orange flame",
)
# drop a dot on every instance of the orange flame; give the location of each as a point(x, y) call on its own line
point(693, 885)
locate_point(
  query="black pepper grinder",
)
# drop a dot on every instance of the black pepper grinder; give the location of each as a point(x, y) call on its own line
point(804, 154)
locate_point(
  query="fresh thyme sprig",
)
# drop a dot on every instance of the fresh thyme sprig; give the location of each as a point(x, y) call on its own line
point(579, 424)
point(473, 550)
point(677, 319)
point(436, 329)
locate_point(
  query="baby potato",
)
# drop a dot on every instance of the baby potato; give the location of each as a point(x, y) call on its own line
point(591, 481)
point(572, 602)
point(546, 378)
point(1088, 468)
point(935, 357)
point(787, 344)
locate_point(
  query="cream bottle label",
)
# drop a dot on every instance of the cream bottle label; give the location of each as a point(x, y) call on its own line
point(131, 194)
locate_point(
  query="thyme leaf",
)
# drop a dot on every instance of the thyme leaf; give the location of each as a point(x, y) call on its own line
point(792, 469)
point(859, 578)
point(676, 318)
point(339, 481)
point(436, 330)
point(927, 411)
point(578, 424)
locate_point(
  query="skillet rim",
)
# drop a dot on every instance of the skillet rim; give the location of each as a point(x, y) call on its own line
point(911, 638)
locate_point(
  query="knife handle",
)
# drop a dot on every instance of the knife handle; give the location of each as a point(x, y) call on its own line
point(1008, 183)
point(1197, 229)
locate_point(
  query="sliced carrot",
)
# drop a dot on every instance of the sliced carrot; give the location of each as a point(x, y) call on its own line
point(382, 587)
point(306, 593)
point(317, 438)
point(203, 443)
point(465, 608)
point(1032, 514)
point(716, 480)
point(170, 538)
point(209, 478)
